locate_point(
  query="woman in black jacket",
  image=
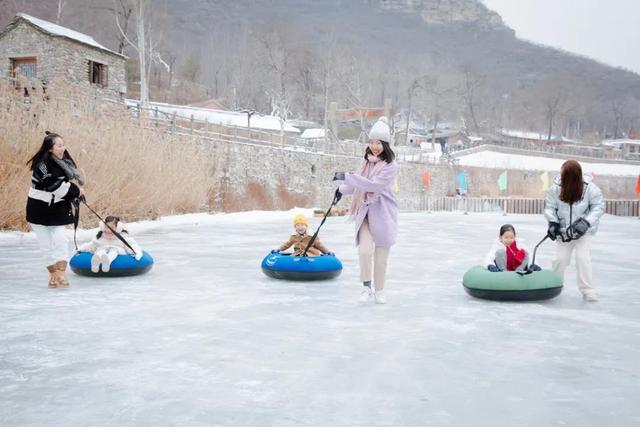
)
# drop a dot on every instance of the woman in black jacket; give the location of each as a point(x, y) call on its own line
point(55, 183)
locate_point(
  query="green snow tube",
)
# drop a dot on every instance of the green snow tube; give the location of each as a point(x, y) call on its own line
point(511, 286)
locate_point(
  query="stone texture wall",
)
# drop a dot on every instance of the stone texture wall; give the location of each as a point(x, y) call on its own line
point(61, 59)
point(258, 177)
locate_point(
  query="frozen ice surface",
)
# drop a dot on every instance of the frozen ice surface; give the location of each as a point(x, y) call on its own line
point(206, 339)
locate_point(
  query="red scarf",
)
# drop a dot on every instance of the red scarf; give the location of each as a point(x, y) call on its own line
point(515, 256)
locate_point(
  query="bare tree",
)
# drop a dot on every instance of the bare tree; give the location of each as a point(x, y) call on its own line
point(277, 60)
point(552, 94)
point(142, 51)
point(413, 87)
point(471, 85)
point(552, 105)
point(438, 91)
point(192, 69)
point(61, 4)
point(618, 108)
point(306, 80)
point(124, 9)
point(146, 46)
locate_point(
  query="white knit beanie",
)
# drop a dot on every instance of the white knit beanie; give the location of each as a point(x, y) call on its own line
point(380, 130)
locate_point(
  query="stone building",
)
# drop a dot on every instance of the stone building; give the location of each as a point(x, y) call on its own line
point(37, 49)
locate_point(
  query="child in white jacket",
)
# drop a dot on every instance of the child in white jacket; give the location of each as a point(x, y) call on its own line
point(106, 246)
point(505, 255)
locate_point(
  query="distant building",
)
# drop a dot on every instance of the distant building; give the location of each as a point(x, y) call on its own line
point(533, 137)
point(629, 148)
point(36, 49)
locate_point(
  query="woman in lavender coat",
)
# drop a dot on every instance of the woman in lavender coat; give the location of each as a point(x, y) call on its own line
point(374, 209)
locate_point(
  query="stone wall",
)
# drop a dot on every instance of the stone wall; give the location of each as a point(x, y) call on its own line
point(61, 59)
point(258, 177)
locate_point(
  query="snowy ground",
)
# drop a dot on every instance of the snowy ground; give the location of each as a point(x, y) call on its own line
point(206, 339)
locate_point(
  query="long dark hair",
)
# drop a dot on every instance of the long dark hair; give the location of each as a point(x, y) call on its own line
point(507, 227)
point(387, 153)
point(47, 144)
point(571, 183)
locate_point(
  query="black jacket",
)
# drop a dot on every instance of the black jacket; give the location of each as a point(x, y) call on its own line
point(50, 195)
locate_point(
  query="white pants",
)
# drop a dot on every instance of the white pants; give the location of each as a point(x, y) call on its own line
point(110, 252)
point(583, 261)
point(53, 242)
point(372, 257)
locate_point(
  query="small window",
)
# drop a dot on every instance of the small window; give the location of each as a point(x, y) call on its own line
point(98, 73)
point(24, 67)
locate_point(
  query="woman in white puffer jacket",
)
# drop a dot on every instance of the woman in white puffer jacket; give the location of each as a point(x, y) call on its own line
point(573, 208)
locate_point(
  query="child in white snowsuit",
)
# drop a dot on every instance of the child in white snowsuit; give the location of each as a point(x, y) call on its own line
point(106, 246)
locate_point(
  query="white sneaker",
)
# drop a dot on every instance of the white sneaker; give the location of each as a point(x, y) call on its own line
point(106, 263)
point(366, 294)
point(380, 298)
point(95, 264)
point(591, 296)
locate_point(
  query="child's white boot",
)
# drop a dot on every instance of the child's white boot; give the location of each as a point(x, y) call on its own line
point(106, 262)
point(95, 263)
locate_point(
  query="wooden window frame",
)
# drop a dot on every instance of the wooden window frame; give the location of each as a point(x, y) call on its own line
point(14, 63)
point(98, 73)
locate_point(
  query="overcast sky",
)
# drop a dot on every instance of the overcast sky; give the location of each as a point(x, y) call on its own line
point(606, 30)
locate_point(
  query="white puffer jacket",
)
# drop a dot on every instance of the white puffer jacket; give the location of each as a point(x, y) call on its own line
point(490, 257)
point(108, 243)
point(590, 207)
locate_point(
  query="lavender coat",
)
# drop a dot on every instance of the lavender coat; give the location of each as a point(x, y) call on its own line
point(382, 212)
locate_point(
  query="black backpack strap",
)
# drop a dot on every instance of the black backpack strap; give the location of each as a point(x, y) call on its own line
point(75, 204)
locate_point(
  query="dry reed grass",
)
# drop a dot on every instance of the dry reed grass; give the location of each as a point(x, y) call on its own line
point(130, 170)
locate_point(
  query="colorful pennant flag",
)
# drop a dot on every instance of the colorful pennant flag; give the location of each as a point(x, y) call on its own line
point(638, 185)
point(545, 181)
point(426, 178)
point(461, 178)
point(502, 181)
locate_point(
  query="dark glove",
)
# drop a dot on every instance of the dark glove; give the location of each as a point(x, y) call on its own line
point(554, 230)
point(338, 195)
point(275, 251)
point(338, 176)
point(578, 228)
point(492, 268)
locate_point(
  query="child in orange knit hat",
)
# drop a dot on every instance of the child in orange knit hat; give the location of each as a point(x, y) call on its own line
point(300, 239)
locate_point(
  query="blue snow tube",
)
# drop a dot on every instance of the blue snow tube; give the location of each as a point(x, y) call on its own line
point(289, 267)
point(123, 265)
